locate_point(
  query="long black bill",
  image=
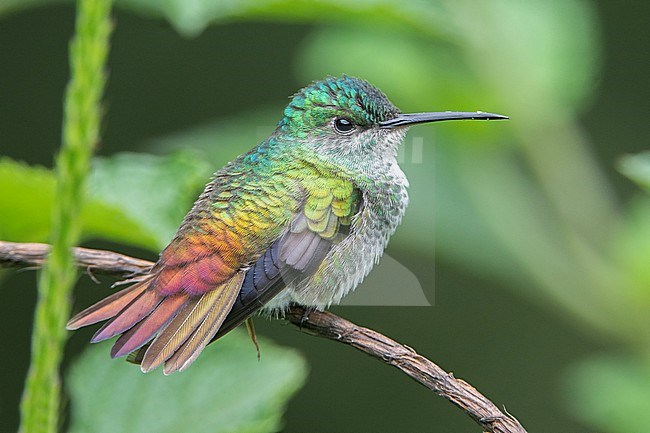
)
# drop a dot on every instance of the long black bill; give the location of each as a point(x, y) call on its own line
point(415, 118)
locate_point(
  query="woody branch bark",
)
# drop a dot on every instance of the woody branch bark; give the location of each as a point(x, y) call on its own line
point(322, 324)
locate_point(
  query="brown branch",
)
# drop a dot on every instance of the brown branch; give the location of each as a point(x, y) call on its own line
point(457, 391)
point(104, 262)
point(322, 324)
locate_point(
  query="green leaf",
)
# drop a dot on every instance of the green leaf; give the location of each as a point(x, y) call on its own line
point(191, 17)
point(26, 201)
point(26, 208)
point(611, 393)
point(637, 168)
point(10, 6)
point(137, 199)
point(226, 390)
point(538, 57)
point(153, 191)
point(631, 249)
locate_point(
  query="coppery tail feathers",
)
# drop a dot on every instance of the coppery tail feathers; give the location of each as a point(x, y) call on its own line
point(181, 325)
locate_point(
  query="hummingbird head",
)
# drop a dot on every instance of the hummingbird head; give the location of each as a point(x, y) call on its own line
point(351, 123)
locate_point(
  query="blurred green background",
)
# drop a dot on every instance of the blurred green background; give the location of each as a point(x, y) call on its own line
point(526, 237)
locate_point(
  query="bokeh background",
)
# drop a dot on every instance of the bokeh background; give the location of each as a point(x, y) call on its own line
point(526, 236)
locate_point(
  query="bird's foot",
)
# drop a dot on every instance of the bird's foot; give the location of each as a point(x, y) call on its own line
point(251, 333)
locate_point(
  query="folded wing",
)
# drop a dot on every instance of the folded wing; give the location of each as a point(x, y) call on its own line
point(211, 277)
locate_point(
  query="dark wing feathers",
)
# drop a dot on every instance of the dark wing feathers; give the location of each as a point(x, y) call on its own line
point(269, 275)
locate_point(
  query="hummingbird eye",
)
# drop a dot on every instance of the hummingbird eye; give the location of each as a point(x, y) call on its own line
point(343, 125)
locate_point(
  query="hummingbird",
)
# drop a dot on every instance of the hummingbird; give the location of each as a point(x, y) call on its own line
point(300, 219)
